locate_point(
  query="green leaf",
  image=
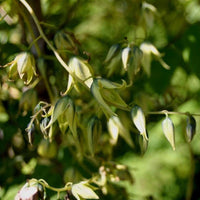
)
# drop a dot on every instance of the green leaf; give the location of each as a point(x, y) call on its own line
point(61, 105)
point(113, 97)
point(95, 89)
point(84, 191)
point(104, 83)
point(168, 130)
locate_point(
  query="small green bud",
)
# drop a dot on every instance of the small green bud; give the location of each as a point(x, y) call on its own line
point(191, 128)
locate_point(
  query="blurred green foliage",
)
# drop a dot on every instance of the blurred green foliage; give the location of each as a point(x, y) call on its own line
point(91, 27)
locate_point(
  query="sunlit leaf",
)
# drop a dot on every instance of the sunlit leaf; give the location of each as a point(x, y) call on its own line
point(82, 190)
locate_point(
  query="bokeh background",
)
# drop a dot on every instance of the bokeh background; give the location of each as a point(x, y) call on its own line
point(174, 29)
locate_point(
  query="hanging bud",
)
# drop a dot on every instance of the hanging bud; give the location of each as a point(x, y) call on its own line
point(168, 130)
point(134, 63)
point(149, 12)
point(137, 58)
point(82, 70)
point(25, 65)
point(66, 41)
point(113, 51)
point(148, 50)
point(64, 112)
point(191, 128)
point(126, 53)
point(113, 131)
point(93, 133)
point(138, 119)
point(123, 131)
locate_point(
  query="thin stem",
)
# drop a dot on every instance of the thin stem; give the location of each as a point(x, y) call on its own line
point(36, 47)
point(30, 10)
point(34, 41)
point(46, 185)
point(59, 58)
point(164, 112)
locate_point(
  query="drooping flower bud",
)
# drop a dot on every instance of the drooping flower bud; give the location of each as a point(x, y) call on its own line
point(148, 50)
point(24, 64)
point(168, 130)
point(138, 118)
point(93, 133)
point(82, 70)
point(191, 128)
point(126, 56)
point(116, 127)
